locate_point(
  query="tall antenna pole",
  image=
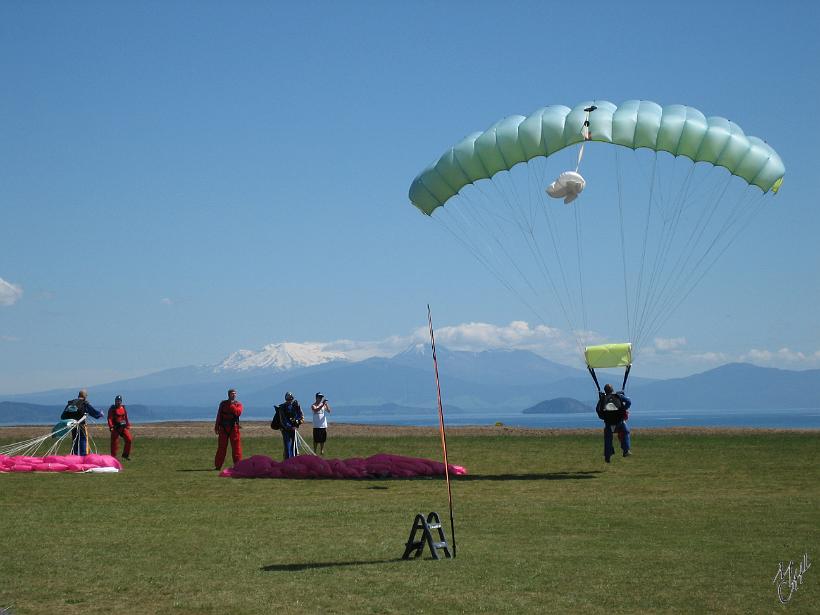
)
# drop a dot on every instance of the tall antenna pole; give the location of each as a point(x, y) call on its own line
point(441, 430)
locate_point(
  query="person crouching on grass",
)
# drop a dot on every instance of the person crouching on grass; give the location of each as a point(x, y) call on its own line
point(320, 411)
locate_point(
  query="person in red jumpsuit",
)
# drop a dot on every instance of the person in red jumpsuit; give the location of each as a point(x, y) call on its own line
point(227, 428)
point(119, 426)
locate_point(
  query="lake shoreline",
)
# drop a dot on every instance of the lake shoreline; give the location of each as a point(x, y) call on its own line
point(254, 429)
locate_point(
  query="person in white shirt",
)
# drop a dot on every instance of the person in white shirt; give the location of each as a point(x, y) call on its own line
point(320, 411)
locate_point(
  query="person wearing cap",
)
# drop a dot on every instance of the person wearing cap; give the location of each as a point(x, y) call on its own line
point(289, 415)
point(613, 409)
point(320, 411)
point(119, 426)
point(78, 410)
point(227, 428)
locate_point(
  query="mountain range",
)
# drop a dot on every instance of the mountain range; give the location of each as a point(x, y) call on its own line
point(510, 380)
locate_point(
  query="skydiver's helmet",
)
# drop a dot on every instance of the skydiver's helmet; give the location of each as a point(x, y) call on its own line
point(288, 396)
point(118, 398)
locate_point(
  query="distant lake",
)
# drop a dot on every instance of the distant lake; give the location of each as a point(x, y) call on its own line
point(802, 418)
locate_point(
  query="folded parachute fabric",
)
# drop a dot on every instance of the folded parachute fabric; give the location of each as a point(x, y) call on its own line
point(60, 463)
point(382, 465)
point(568, 186)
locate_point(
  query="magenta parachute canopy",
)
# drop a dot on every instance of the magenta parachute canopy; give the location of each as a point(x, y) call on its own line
point(310, 466)
point(60, 463)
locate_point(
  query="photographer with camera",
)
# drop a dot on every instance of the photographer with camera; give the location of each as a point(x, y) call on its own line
point(320, 411)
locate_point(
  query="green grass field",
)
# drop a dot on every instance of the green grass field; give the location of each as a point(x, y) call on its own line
point(692, 523)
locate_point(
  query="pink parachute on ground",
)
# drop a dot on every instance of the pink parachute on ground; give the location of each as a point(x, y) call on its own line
point(60, 463)
point(310, 466)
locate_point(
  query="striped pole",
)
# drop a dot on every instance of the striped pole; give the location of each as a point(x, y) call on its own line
point(441, 430)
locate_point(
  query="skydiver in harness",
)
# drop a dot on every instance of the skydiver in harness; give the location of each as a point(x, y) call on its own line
point(120, 427)
point(613, 409)
point(613, 406)
point(78, 409)
point(227, 428)
point(287, 418)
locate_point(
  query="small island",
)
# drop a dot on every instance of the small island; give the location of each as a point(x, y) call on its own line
point(559, 405)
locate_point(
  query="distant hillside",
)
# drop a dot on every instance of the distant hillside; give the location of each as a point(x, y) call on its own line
point(512, 367)
point(471, 380)
point(561, 405)
point(19, 413)
point(492, 380)
point(732, 386)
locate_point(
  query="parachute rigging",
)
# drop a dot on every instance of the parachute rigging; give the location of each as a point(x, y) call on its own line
point(654, 216)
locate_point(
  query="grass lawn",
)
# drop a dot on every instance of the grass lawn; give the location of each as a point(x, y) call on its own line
point(692, 523)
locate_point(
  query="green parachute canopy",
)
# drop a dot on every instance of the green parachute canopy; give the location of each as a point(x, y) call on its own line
point(676, 129)
point(640, 225)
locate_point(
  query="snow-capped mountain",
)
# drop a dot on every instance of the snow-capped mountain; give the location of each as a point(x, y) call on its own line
point(280, 357)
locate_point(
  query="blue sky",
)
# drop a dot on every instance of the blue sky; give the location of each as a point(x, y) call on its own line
point(179, 180)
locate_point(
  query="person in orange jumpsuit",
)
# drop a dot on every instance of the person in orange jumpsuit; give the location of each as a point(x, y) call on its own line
point(119, 426)
point(227, 428)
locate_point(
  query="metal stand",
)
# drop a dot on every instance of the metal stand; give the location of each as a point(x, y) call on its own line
point(426, 527)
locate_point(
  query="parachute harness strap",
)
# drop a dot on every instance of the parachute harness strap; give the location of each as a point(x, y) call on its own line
point(594, 378)
point(626, 376)
point(585, 132)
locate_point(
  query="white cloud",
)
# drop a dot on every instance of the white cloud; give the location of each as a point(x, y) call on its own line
point(477, 336)
point(9, 338)
point(166, 301)
point(781, 356)
point(710, 358)
point(675, 362)
point(9, 293)
point(664, 358)
point(471, 337)
point(669, 343)
point(359, 350)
